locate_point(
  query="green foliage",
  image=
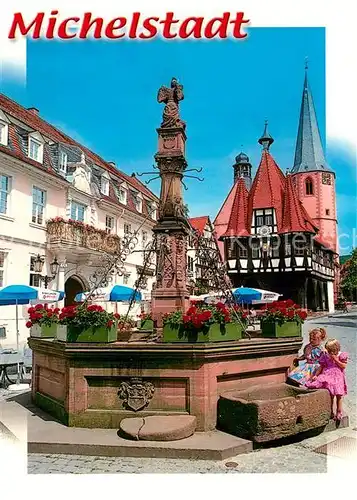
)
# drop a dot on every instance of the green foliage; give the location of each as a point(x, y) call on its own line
point(201, 288)
point(349, 273)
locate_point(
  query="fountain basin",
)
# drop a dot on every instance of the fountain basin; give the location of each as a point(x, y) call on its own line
point(98, 385)
point(264, 413)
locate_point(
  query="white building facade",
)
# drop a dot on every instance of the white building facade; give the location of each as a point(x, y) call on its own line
point(58, 200)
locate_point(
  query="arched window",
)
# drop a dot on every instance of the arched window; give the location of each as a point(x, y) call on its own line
point(309, 187)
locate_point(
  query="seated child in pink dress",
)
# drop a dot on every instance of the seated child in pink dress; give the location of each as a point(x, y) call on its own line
point(308, 363)
point(331, 375)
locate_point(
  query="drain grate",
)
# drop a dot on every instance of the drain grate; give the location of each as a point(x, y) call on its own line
point(343, 447)
point(231, 465)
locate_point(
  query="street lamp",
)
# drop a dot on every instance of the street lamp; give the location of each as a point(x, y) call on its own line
point(38, 266)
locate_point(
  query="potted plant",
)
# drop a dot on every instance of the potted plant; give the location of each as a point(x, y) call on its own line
point(282, 319)
point(146, 321)
point(87, 323)
point(204, 323)
point(125, 328)
point(43, 321)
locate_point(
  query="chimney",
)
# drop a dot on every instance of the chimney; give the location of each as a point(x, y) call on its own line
point(112, 163)
point(34, 111)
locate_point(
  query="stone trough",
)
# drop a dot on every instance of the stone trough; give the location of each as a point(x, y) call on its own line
point(265, 413)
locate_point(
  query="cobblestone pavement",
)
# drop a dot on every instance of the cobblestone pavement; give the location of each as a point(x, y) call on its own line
point(269, 460)
point(291, 458)
point(343, 327)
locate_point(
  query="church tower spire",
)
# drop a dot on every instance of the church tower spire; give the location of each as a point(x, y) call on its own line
point(313, 179)
point(309, 154)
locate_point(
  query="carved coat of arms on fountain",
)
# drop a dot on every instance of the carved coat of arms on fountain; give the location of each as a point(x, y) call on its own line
point(136, 394)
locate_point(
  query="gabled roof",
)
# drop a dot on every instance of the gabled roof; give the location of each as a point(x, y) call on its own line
point(267, 190)
point(295, 218)
point(237, 225)
point(199, 223)
point(309, 154)
point(17, 147)
point(222, 218)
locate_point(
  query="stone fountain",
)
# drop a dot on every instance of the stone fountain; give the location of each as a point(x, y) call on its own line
point(100, 385)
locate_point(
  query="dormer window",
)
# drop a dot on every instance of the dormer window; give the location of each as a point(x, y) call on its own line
point(4, 131)
point(153, 211)
point(104, 184)
point(62, 163)
point(263, 218)
point(122, 195)
point(35, 147)
point(138, 201)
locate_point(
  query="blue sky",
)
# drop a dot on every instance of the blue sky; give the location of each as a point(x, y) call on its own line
point(103, 94)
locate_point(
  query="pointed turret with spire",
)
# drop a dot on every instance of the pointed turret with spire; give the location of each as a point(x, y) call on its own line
point(266, 139)
point(309, 154)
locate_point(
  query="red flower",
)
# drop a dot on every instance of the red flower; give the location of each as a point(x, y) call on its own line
point(302, 314)
point(28, 324)
point(38, 307)
point(110, 323)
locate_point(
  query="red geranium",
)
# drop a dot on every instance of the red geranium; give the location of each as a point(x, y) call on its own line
point(282, 311)
point(201, 316)
point(42, 314)
point(85, 316)
point(145, 316)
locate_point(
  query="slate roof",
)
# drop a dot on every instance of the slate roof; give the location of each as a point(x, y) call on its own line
point(55, 141)
point(267, 190)
point(199, 223)
point(270, 189)
point(295, 217)
point(237, 225)
point(309, 154)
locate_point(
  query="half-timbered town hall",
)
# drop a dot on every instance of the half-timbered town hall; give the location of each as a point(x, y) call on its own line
point(278, 231)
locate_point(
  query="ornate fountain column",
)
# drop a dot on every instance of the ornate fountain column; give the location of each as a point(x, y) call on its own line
point(170, 289)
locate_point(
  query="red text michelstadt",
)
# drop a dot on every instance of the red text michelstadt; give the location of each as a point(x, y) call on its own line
point(136, 27)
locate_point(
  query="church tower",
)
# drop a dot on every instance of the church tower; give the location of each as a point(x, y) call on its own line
point(313, 178)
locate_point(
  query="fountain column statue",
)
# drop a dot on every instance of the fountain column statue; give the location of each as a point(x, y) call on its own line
point(170, 289)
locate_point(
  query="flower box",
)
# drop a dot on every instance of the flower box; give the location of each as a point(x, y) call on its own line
point(213, 333)
point(272, 329)
point(43, 331)
point(146, 324)
point(100, 334)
